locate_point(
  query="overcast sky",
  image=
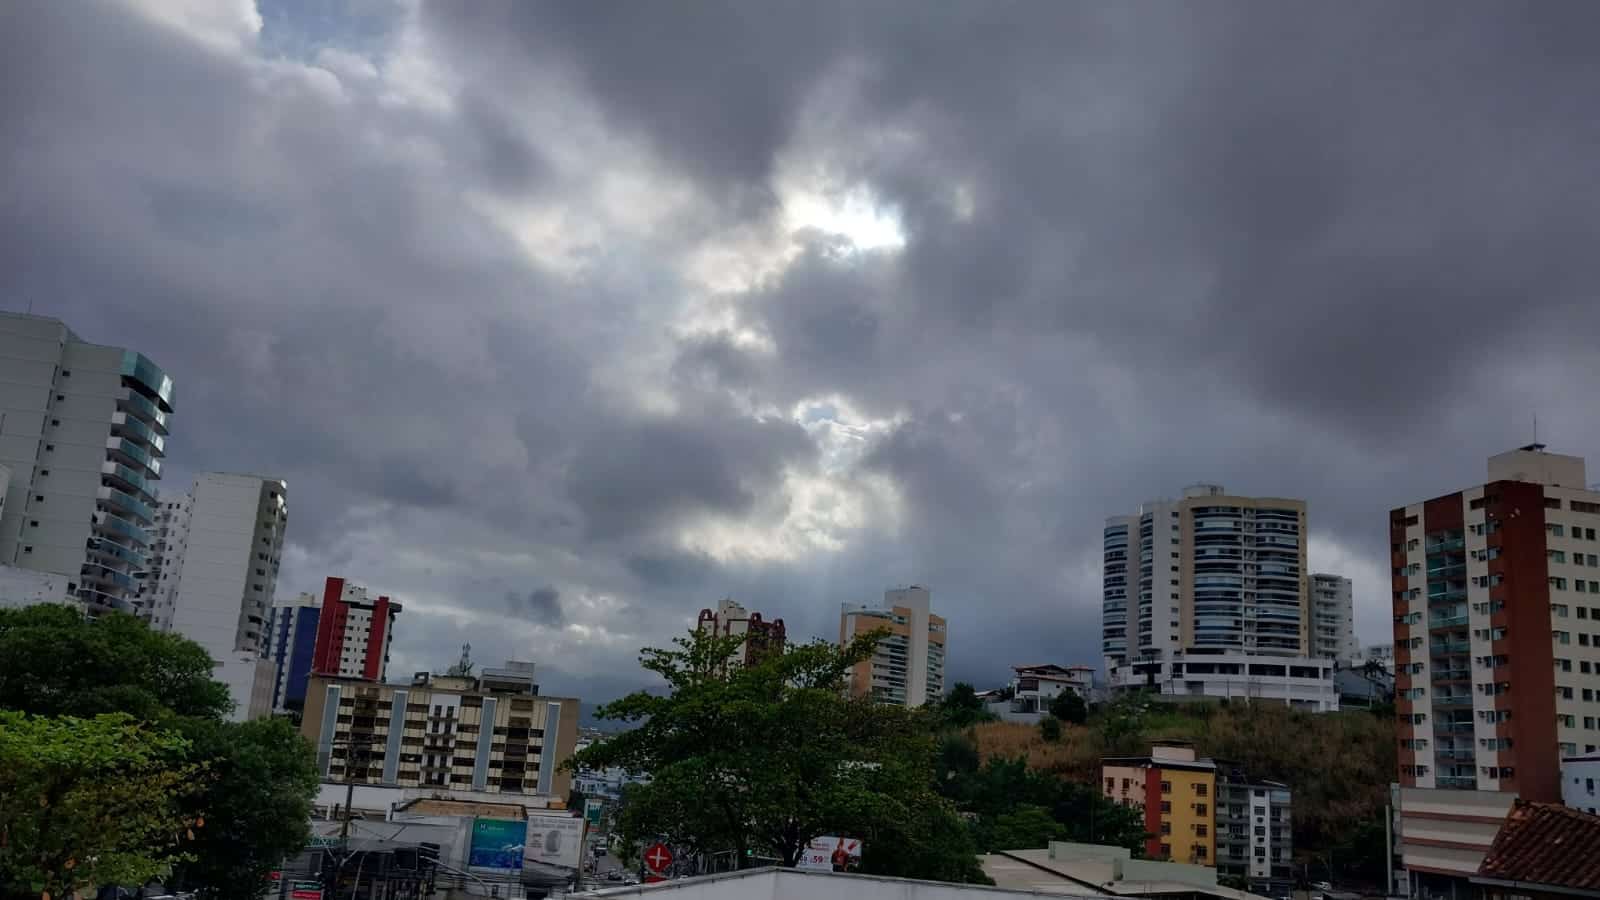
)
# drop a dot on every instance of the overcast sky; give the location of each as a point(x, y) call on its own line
point(565, 320)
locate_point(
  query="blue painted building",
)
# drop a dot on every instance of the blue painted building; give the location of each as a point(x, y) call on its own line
point(292, 640)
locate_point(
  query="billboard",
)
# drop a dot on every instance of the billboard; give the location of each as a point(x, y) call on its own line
point(831, 854)
point(497, 843)
point(555, 840)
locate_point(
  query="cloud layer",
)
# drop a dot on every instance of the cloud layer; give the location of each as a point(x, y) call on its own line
point(564, 321)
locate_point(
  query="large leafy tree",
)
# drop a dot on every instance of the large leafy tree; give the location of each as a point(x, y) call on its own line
point(54, 663)
point(761, 759)
point(260, 776)
point(256, 802)
point(1006, 798)
point(85, 802)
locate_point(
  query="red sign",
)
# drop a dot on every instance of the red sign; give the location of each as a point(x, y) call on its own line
point(654, 879)
point(658, 857)
point(275, 875)
point(304, 894)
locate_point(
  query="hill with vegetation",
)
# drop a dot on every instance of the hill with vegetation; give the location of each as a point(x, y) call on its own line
point(1339, 765)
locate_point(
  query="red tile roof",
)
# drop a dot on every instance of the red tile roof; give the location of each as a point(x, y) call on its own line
point(1546, 843)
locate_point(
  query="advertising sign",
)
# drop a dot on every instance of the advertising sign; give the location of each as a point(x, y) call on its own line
point(831, 854)
point(497, 844)
point(554, 840)
point(592, 810)
point(305, 890)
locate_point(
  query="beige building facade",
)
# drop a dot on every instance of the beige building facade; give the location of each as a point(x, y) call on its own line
point(493, 733)
point(907, 667)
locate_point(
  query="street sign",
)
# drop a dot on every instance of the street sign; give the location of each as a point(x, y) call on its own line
point(658, 857)
point(305, 890)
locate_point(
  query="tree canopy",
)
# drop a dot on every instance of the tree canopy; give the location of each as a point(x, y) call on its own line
point(1069, 707)
point(85, 802)
point(251, 782)
point(765, 757)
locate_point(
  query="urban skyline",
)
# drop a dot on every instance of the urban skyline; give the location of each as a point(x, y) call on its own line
point(561, 352)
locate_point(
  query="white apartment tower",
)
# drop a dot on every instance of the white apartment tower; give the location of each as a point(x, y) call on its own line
point(907, 667)
point(1333, 632)
point(220, 545)
point(83, 430)
point(1210, 573)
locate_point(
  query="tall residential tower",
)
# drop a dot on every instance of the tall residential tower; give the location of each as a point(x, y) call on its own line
point(1333, 633)
point(907, 668)
point(83, 430)
point(1208, 573)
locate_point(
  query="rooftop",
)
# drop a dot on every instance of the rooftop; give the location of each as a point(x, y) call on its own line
point(1546, 844)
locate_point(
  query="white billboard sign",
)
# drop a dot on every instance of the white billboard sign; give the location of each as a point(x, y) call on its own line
point(831, 854)
point(553, 840)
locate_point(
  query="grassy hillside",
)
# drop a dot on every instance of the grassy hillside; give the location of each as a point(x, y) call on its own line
point(1338, 764)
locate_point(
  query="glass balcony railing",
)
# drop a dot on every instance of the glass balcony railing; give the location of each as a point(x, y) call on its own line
point(125, 425)
point(109, 549)
point(100, 598)
point(129, 480)
point(122, 527)
point(1453, 727)
point(127, 504)
point(1452, 674)
point(1457, 782)
point(1447, 570)
point(101, 575)
point(1446, 545)
point(1453, 701)
point(144, 408)
point(1447, 621)
point(1456, 755)
point(148, 374)
point(126, 451)
point(1450, 647)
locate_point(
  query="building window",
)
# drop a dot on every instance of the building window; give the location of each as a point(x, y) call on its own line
point(1166, 827)
point(1166, 806)
point(1200, 790)
point(1200, 830)
point(1166, 787)
point(1200, 809)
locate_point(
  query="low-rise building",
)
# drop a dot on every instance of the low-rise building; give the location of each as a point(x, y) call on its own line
point(1543, 851)
point(1254, 830)
point(1097, 870)
point(1580, 782)
point(1176, 793)
point(24, 587)
point(1298, 681)
point(494, 733)
point(604, 784)
point(1445, 834)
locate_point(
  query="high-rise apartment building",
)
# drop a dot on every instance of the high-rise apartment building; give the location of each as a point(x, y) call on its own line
point(1333, 628)
point(291, 646)
point(732, 620)
point(1210, 573)
point(214, 571)
point(493, 733)
point(907, 668)
point(353, 632)
point(1497, 628)
point(83, 430)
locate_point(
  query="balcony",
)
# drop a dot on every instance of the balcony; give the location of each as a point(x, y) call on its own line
point(1447, 570)
point(149, 376)
point(124, 425)
point(1452, 727)
point(1456, 755)
point(1443, 647)
point(97, 597)
point(129, 453)
point(1457, 782)
point(147, 411)
point(1453, 701)
point(100, 575)
point(1447, 621)
point(104, 548)
point(122, 527)
point(1447, 545)
point(1451, 675)
point(117, 501)
point(128, 480)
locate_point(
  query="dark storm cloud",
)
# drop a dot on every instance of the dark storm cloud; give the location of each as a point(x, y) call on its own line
point(542, 605)
point(1339, 251)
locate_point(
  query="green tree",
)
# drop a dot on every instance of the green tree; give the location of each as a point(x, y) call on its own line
point(53, 663)
point(257, 800)
point(766, 757)
point(1069, 707)
point(1025, 827)
point(961, 708)
point(257, 803)
point(1050, 729)
point(85, 802)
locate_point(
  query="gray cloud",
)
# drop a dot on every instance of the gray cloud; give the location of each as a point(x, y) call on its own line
point(444, 271)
